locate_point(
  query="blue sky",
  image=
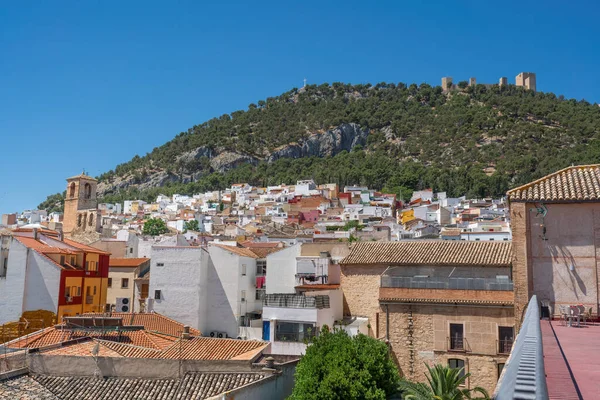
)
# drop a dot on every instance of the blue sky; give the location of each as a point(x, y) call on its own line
point(90, 84)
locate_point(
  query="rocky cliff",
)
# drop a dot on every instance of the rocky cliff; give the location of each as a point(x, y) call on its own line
point(318, 144)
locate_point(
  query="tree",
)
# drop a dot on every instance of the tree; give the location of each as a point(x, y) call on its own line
point(191, 225)
point(155, 227)
point(337, 366)
point(463, 84)
point(444, 384)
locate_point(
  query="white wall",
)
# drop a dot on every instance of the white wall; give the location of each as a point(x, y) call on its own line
point(182, 282)
point(42, 284)
point(117, 274)
point(281, 270)
point(226, 283)
point(12, 288)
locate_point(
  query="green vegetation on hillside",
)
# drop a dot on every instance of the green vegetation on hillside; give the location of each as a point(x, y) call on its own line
point(419, 137)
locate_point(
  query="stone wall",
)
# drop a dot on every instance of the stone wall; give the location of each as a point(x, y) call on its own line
point(556, 257)
point(361, 292)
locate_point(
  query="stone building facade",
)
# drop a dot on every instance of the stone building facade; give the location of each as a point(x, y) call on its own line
point(81, 206)
point(526, 80)
point(404, 290)
point(556, 234)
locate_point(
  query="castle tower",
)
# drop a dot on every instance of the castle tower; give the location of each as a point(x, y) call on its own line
point(80, 211)
point(472, 81)
point(526, 80)
point(446, 83)
point(503, 81)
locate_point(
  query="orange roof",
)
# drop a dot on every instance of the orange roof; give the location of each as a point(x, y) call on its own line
point(205, 348)
point(251, 244)
point(264, 252)
point(155, 322)
point(240, 251)
point(42, 247)
point(84, 247)
point(127, 262)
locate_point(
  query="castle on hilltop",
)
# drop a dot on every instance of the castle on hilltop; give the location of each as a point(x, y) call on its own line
point(524, 79)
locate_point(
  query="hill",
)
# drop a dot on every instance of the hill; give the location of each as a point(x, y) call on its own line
point(478, 141)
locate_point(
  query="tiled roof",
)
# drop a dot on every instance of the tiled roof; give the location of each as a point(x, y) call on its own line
point(253, 245)
point(127, 262)
point(193, 386)
point(444, 301)
point(153, 322)
point(24, 387)
point(580, 183)
point(437, 252)
point(205, 348)
point(54, 335)
point(240, 251)
point(264, 252)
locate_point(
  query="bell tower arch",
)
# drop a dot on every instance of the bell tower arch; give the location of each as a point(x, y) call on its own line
point(81, 196)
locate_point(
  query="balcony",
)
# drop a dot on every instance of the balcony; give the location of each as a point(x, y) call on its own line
point(410, 282)
point(295, 301)
point(458, 344)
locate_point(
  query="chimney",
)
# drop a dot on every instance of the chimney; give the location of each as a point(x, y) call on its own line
point(270, 366)
point(60, 235)
point(186, 332)
point(35, 233)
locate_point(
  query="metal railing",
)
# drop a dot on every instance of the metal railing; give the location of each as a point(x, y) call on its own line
point(295, 301)
point(523, 376)
point(505, 346)
point(458, 343)
point(89, 299)
point(410, 282)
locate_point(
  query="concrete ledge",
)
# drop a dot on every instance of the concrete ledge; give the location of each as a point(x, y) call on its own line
point(14, 373)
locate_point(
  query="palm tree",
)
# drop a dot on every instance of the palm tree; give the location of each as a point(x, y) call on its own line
point(444, 384)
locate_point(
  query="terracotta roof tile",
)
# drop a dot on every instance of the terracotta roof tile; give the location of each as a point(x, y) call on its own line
point(438, 252)
point(205, 348)
point(154, 322)
point(240, 251)
point(127, 262)
point(579, 183)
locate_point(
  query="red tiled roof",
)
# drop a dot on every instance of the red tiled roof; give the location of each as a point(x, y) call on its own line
point(240, 251)
point(251, 244)
point(205, 348)
point(155, 322)
point(127, 262)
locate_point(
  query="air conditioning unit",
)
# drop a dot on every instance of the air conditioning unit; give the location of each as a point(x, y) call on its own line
point(69, 299)
point(123, 304)
point(216, 334)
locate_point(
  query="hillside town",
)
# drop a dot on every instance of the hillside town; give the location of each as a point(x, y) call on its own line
point(241, 281)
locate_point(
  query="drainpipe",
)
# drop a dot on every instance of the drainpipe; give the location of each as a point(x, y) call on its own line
point(387, 323)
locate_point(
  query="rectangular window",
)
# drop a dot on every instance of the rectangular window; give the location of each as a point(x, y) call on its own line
point(456, 363)
point(457, 341)
point(294, 331)
point(124, 283)
point(68, 291)
point(157, 294)
point(78, 291)
point(4, 267)
point(109, 282)
point(88, 291)
point(261, 267)
point(243, 269)
point(243, 296)
point(94, 290)
point(62, 260)
point(259, 294)
point(131, 250)
point(505, 339)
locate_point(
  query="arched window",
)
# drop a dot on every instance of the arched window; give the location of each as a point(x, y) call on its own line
point(79, 220)
point(72, 189)
point(84, 220)
point(87, 190)
point(91, 222)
